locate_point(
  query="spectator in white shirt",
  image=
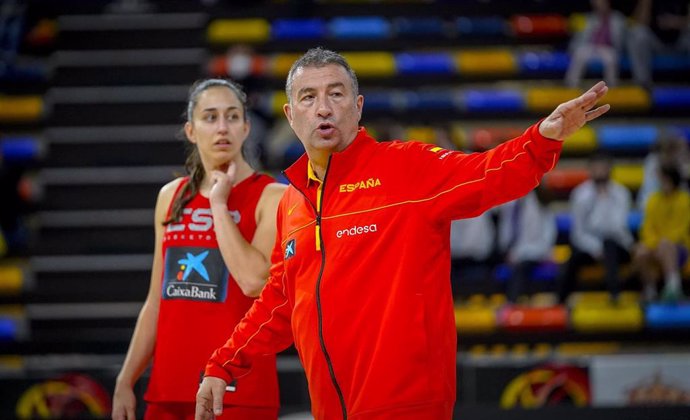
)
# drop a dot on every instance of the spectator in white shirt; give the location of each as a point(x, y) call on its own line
point(599, 230)
point(526, 234)
point(471, 248)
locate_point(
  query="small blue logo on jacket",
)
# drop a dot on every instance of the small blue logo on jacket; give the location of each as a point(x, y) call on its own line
point(290, 249)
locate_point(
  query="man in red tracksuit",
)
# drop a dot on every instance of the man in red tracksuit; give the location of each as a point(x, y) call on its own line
point(360, 279)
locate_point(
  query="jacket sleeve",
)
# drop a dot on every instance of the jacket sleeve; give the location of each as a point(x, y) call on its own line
point(265, 329)
point(459, 185)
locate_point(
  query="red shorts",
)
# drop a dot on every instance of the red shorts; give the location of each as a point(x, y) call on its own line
point(185, 411)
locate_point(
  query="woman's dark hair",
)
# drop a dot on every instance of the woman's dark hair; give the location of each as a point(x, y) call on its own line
point(193, 165)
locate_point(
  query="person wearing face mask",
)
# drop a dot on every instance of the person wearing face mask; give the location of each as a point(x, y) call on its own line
point(665, 236)
point(599, 231)
point(215, 230)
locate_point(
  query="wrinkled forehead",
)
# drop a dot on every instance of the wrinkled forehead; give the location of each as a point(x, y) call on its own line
point(313, 77)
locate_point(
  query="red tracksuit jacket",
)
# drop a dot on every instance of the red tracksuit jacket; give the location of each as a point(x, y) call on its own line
point(362, 285)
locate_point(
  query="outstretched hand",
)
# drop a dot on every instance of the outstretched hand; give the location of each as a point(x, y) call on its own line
point(222, 184)
point(570, 116)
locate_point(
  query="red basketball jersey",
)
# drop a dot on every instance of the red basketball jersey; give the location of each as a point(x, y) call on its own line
point(201, 304)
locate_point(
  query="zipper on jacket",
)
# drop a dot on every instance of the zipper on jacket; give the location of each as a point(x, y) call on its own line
point(319, 311)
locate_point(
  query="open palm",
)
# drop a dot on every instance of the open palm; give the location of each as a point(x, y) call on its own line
point(570, 116)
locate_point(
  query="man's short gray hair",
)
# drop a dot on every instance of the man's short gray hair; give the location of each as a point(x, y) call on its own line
point(319, 57)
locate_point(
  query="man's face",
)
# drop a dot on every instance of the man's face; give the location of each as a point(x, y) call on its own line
point(323, 110)
point(600, 171)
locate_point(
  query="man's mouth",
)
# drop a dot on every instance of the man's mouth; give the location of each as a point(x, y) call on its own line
point(326, 129)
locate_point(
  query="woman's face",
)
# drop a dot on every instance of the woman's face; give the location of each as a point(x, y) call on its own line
point(218, 126)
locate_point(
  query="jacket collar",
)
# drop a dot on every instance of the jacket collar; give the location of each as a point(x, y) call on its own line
point(297, 172)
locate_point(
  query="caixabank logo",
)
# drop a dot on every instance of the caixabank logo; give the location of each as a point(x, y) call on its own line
point(71, 396)
point(195, 273)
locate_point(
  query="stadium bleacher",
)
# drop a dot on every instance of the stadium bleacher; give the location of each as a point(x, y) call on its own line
point(98, 106)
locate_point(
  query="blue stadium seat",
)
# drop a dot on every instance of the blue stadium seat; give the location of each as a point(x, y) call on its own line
point(35, 73)
point(360, 28)
point(668, 315)
point(683, 131)
point(533, 62)
point(546, 272)
point(628, 137)
point(8, 329)
point(19, 150)
point(635, 220)
point(494, 100)
point(419, 27)
point(482, 26)
point(424, 63)
point(671, 62)
point(298, 29)
point(381, 100)
point(671, 97)
point(440, 100)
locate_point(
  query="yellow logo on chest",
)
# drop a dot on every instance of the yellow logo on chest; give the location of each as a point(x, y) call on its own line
point(361, 185)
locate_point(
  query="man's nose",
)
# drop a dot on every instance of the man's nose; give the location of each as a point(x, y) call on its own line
point(324, 109)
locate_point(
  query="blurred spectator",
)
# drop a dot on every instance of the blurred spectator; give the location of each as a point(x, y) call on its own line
point(599, 230)
point(665, 236)
point(601, 38)
point(471, 248)
point(526, 234)
point(11, 21)
point(656, 27)
point(669, 149)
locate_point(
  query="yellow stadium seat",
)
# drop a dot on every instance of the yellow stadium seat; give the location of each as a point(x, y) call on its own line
point(587, 349)
point(622, 317)
point(371, 64)
point(278, 99)
point(546, 99)
point(458, 134)
point(577, 22)
point(583, 141)
point(11, 280)
point(486, 62)
point(601, 299)
point(422, 133)
point(20, 108)
point(561, 253)
point(627, 98)
point(12, 362)
point(281, 63)
point(630, 175)
point(475, 319)
point(223, 31)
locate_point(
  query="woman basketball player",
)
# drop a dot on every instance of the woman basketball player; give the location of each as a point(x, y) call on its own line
point(215, 230)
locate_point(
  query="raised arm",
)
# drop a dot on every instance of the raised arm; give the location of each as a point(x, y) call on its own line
point(465, 185)
point(248, 262)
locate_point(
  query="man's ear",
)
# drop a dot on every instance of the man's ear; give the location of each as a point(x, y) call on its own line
point(287, 109)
